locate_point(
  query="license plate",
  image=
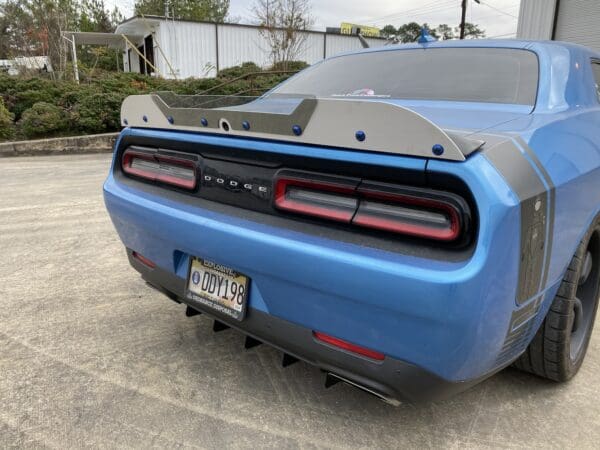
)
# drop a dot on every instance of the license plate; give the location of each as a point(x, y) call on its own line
point(218, 287)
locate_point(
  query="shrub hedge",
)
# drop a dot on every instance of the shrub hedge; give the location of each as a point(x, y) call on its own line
point(42, 119)
point(40, 107)
point(7, 128)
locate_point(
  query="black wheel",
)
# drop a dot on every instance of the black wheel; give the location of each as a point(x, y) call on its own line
point(559, 347)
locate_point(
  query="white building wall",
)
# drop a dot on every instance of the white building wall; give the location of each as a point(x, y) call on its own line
point(536, 19)
point(337, 43)
point(238, 45)
point(133, 60)
point(579, 22)
point(576, 21)
point(375, 42)
point(312, 49)
point(190, 47)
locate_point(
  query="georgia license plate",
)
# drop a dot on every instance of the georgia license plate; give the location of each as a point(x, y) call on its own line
point(218, 287)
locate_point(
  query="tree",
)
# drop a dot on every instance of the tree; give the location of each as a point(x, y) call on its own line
point(445, 32)
point(411, 31)
point(472, 31)
point(94, 16)
point(210, 10)
point(15, 27)
point(388, 31)
point(281, 23)
point(35, 28)
point(50, 18)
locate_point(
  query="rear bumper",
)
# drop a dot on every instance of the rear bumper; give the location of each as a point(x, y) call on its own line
point(452, 322)
point(392, 380)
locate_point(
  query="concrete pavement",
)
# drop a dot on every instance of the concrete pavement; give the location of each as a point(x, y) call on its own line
point(90, 356)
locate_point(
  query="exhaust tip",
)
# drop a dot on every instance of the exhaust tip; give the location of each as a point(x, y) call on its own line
point(332, 379)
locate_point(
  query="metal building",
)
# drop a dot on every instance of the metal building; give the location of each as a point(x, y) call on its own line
point(562, 20)
point(182, 49)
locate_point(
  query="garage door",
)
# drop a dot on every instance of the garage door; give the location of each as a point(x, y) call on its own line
point(579, 22)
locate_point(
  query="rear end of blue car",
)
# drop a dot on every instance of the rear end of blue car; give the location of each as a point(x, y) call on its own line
point(413, 309)
point(410, 277)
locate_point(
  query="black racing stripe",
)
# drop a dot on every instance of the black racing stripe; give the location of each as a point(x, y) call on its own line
point(536, 160)
point(527, 184)
point(526, 313)
point(552, 199)
point(515, 168)
point(520, 331)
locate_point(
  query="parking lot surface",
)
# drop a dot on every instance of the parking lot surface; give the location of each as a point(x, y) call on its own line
point(91, 356)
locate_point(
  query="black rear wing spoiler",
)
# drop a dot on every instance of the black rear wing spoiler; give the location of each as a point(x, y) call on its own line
point(363, 124)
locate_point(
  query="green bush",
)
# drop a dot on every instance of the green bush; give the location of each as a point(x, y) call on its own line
point(44, 107)
point(7, 127)
point(30, 91)
point(97, 112)
point(238, 71)
point(290, 65)
point(43, 119)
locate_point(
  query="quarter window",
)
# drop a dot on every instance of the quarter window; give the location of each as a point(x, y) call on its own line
point(596, 70)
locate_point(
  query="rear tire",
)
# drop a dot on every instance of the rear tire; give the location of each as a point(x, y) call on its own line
point(559, 347)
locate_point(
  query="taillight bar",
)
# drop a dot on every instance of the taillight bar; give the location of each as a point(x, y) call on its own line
point(410, 214)
point(315, 198)
point(166, 169)
point(406, 210)
point(345, 345)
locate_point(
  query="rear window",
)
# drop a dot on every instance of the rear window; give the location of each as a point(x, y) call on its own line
point(494, 75)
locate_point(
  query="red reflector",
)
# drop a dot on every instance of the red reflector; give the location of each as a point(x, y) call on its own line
point(145, 261)
point(348, 346)
point(162, 168)
point(315, 198)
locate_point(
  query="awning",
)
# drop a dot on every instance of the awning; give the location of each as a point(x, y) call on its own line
point(109, 39)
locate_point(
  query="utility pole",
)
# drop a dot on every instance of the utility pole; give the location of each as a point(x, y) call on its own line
point(464, 17)
point(268, 16)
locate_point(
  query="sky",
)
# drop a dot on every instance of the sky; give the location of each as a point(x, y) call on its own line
point(497, 17)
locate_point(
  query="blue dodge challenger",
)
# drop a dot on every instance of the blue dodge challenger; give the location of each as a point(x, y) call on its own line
point(409, 219)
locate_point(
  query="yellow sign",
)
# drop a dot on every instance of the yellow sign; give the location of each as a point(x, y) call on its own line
point(352, 28)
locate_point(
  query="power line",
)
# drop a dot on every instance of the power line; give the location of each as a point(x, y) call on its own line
point(499, 10)
point(502, 35)
point(423, 9)
point(425, 6)
point(413, 15)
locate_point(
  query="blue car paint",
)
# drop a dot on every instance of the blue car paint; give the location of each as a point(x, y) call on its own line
point(424, 326)
point(449, 318)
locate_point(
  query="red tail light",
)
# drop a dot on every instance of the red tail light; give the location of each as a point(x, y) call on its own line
point(344, 345)
point(410, 214)
point(166, 169)
point(315, 198)
point(423, 213)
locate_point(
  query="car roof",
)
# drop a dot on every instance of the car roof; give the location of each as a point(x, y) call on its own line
point(486, 43)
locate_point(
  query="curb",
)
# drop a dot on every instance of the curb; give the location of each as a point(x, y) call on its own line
point(96, 143)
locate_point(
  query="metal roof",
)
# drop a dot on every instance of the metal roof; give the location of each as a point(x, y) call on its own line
point(110, 39)
point(151, 20)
